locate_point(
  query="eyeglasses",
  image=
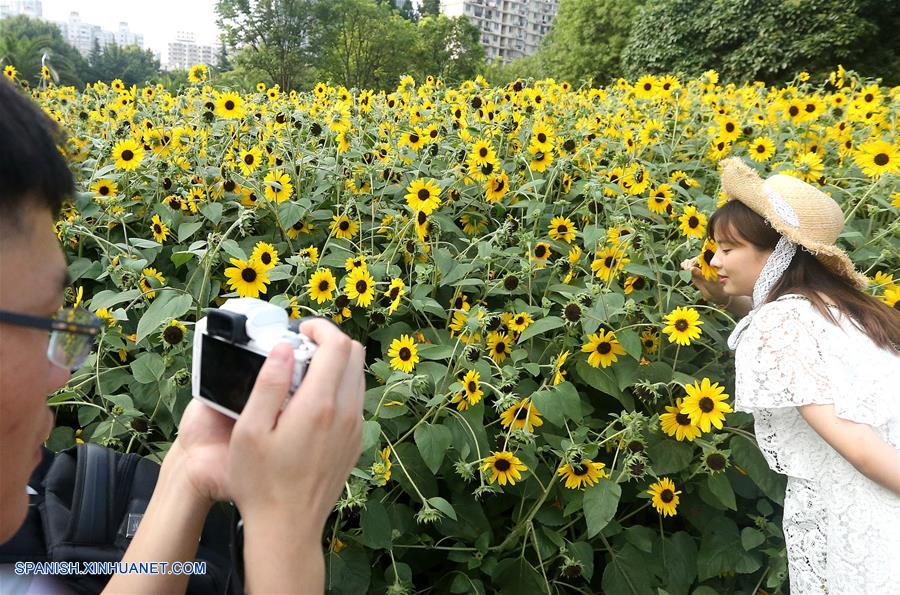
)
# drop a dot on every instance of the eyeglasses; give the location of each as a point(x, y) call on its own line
point(72, 333)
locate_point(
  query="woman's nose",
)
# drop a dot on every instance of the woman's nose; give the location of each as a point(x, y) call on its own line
point(716, 262)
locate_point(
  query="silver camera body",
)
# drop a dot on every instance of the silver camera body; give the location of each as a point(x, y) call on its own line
point(230, 346)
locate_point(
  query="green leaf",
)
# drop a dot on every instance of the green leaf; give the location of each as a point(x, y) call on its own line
point(721, 488)
point(433, 441)
point(558, 403)
point(234, 250)
point(107, 298)
point(598, 378)
point(443, 506)
point(542, 325)
point(148, 368)
point(167, 305)
point(751, 538)
point(720, 548)
point(186, 230)
point(669, 456)
point(747, 456)
point(631, 343)
point(600, 503)
point(376, 526)
point(212, 211)
point(371, 433)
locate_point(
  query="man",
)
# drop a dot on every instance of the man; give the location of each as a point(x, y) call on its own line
point(283, 469)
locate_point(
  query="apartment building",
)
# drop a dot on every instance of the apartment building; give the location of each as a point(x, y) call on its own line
point(510, 29)
point(185, 52)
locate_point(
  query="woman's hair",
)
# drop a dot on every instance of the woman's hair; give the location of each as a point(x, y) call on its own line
point(807, 276)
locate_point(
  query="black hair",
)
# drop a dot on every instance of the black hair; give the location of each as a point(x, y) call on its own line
point(33, 172)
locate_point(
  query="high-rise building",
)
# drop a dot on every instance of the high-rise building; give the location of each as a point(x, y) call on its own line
point(510, 29)
point(83, 35)
point(184, 52)
point(30, 8)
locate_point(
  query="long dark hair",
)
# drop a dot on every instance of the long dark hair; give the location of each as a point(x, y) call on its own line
point(809, 277)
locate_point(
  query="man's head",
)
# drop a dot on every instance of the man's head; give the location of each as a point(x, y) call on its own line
point(34, 180)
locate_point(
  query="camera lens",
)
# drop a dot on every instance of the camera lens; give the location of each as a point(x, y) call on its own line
point(226, 325)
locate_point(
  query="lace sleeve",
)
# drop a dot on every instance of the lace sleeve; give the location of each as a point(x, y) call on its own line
point(785, 358)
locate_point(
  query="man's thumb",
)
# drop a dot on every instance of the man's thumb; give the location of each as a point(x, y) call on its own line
point(270, 390)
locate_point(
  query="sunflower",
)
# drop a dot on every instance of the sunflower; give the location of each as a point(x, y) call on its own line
point(265, 254)
point(660, 198)
point(559, 375)
point(128, 154)
point(198, 73)
point(542, 137)
point(151, 279)
point(310, 252)
point(683, 325)
point(104, 188)
point(471, 392)
point(761, 149)
point(248, 161)
point(483, 153)
point(649, 340)
point(421, 224)
point(355, 262)
point(413, 139)
point(321, 285)
point(278, 186)
point(707, 252)
point(496, 187)
point(522, 416)
point(359, 285)
point(540, 160)
point(809, 167)
point(10, 71)
point(608, 262)
point(877, 157)
point(519, 322)
point(423, 195)
point(381, 468)
point(229, 105)
point(498, 346)
point(665, 498)
point(891, 297)
point(562, 228)
point(394, 292)
point(404, 354)
point(634, 283)
point(173, 333)
point(540, 254)
point(704, 404)
point(343, 227)
point(604, 349)
point(676, 422)
point(585, 473)
point(504, 466)
point(248, 277)
point(159, 229)
point(645, 87)
point(693, 223)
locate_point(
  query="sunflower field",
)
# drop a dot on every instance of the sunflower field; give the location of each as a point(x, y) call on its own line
point(547, 405)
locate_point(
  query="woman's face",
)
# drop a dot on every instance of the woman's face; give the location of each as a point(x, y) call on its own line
point(738, 264)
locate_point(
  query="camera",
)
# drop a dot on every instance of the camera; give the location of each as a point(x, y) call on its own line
point(230, 345)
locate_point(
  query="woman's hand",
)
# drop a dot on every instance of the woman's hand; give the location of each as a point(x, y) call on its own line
point(203, 438)
point(711, 291)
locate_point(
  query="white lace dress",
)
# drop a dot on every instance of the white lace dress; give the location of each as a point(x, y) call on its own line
point(842, 529)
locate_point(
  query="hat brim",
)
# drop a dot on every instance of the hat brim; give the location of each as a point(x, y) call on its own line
point(742, 182)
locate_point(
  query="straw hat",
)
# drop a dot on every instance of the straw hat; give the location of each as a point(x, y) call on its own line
point(802, 213)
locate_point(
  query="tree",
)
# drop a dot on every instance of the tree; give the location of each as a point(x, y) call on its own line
point(222, 61)
point(587, 38)
point(278, 37)
point(430, 7)
point(368, 44)
point(767, 40)
point(131, 64)
point(23, 41)
point(449, 48)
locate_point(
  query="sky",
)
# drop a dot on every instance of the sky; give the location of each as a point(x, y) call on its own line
point(157, 20)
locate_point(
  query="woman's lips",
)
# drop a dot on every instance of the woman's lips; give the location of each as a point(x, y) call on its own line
point(722, 279)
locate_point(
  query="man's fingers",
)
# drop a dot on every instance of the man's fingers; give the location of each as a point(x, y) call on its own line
point(269, 391)
point(333, 349)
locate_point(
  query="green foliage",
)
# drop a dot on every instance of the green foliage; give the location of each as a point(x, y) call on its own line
point(448, 48)
point(131, 64)
point(767, 40)
point(23, 41)
point(587, 39)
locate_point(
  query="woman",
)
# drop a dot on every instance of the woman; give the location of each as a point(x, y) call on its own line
point(817, 364)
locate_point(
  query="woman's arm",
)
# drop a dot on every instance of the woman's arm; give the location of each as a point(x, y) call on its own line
point(739, 305)
point(858, 443)
point(169, 532)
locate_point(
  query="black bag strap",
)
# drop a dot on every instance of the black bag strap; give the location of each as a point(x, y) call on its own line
point(92, 500)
